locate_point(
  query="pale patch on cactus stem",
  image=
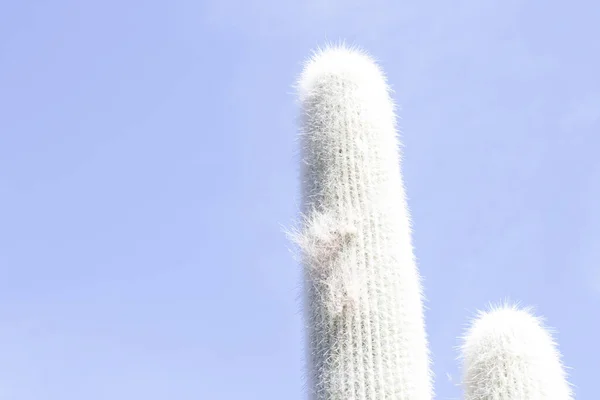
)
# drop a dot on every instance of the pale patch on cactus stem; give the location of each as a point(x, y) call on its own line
point(325, 242)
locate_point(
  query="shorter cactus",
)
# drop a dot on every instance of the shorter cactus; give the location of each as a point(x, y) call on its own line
point(509, 354)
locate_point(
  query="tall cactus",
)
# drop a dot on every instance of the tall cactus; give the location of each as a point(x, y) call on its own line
point(366, 337)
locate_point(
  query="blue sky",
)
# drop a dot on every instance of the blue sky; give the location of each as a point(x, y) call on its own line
point(148, 163)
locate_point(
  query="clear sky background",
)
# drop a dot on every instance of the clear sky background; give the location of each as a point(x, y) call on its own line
point(148, 163)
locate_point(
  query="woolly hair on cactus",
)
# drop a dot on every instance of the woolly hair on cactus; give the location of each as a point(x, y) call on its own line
point(366, 334)
point(509, 354)
point(363, 301)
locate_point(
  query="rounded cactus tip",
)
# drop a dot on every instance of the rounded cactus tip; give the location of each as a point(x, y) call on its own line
point(335, 62)
point(511, 344)
point(504, 320)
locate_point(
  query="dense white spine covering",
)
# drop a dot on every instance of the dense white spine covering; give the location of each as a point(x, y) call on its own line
point(366, 334)
point(509, 355)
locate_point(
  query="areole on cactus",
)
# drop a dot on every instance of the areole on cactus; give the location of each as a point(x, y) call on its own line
point(366, 336)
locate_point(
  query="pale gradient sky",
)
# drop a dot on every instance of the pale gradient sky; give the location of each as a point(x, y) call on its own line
point(148, 162)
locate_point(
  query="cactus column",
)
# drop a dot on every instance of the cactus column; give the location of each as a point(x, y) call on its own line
point(509, 354)
point(363, 304)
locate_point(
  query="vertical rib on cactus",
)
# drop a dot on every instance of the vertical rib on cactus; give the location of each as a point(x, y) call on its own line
point(366, 335)
point(508, 354)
